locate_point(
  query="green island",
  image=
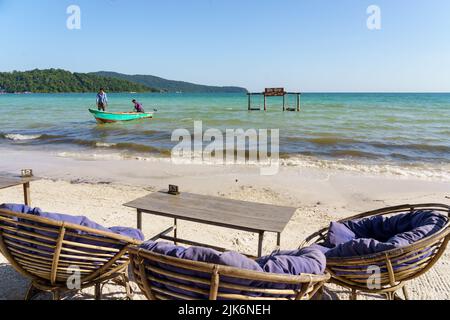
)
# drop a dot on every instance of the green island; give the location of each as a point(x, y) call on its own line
point(62, 81)
point(170, 86)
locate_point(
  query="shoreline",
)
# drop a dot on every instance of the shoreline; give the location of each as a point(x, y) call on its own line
point(348, 159)
point(113, 160)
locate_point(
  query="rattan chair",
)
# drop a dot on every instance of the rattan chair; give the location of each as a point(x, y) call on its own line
point(60, 257)
point(216, 282)
point(397, 266)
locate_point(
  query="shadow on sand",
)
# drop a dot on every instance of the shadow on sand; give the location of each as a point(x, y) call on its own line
point(13, 285)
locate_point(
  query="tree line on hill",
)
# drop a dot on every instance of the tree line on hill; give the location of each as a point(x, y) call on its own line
point(170, 85)
point(61, 81)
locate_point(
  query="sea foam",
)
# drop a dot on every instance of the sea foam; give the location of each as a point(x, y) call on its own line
point(22, 137)
point(105, 144)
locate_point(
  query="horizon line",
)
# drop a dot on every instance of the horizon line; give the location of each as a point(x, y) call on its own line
point(215, 85)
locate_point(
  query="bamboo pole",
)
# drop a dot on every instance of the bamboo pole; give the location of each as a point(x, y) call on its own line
point(26, 193)
point(215, 280)
point(57, 254)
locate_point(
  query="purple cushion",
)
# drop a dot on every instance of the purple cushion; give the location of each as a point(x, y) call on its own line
point(359, 247)
point(339, 233)
point(307, 260)
point(78, 220)
point(207, 255)
point(289, 262)
point(321, 247)
point(231, 259)
point(379, 234)
point(296, 262)
point(132, 233)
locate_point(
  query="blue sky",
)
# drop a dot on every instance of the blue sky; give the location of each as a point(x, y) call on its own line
point(306, 45)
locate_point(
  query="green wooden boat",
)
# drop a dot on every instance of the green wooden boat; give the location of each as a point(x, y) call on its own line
point(111, 117)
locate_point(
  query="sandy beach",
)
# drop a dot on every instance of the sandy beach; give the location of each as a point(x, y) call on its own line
point(321, 196)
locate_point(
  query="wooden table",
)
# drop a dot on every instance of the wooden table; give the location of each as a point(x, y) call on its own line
point(9, 181)
point(239, 215)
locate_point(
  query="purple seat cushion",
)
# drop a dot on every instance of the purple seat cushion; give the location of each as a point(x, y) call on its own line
point(231, 259)
point(78, 220)
point(339, 233)
point(307, 260)
point(379, 234)
point(296, 262)
point(207, 255)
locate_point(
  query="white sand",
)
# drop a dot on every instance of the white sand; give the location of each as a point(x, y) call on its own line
point(322, 195)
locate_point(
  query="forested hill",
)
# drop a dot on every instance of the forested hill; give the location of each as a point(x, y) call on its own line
point(170, 85)
point(59, 81)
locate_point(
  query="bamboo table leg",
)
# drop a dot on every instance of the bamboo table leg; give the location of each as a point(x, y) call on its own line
point(260, 243)
point(139, 220)
point(278, 241)
point(26, 194)
point(175, 230)
point(405, 292)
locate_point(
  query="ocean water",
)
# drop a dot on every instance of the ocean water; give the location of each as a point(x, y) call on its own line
point(402, 133)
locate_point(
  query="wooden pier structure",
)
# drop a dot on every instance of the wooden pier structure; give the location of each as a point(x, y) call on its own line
point(274, 92)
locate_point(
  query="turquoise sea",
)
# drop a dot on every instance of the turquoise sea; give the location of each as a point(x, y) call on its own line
point(371, 130)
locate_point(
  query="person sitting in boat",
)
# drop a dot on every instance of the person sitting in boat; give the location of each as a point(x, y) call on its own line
point(102, 100)
point(138, 107)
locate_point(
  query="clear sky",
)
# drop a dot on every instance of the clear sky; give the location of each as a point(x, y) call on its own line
point(306, 45)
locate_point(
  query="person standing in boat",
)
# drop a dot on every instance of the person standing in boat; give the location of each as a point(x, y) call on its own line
point(102, 100)
point(138, 107)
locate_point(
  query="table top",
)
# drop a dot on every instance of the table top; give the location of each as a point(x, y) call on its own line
point(242, 215)
point(9, 180)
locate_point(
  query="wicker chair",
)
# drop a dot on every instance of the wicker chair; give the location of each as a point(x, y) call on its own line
point(217, 282)
point(397, 266)
point(47, 252)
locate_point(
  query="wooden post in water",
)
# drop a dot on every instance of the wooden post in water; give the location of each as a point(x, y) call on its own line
point(249, 101)
point(265, 105)
point(284, 103)
point(298, 102)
